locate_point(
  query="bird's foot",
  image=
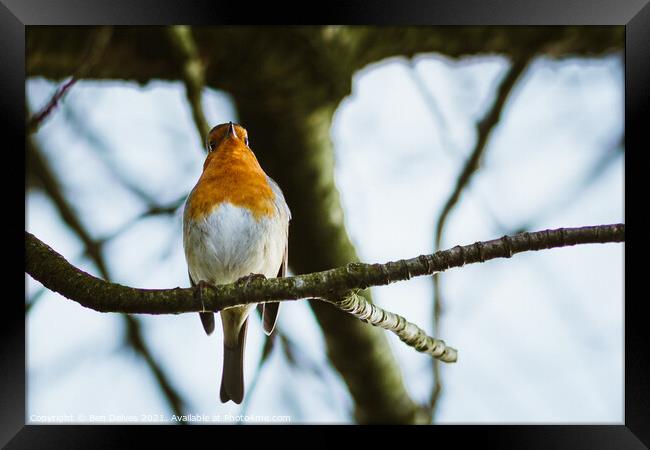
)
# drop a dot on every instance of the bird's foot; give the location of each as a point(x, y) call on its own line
point(200, 289)
point(246, 279)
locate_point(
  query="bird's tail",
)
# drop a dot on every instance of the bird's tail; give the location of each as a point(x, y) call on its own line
point(207, 319)
point(232, 377)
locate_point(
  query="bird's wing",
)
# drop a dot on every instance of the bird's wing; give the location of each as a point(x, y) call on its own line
point(270, 310)
point(207, 318)
point(280, 202)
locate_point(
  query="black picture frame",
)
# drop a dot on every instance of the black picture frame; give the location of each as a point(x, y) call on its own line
point(633, 14)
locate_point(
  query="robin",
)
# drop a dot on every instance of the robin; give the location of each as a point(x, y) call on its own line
point(235, 227)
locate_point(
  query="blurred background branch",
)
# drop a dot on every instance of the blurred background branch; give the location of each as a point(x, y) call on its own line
point(39, 169)
point(180, 37)
point(55, 52)
point(97, 43)
point(484, 129)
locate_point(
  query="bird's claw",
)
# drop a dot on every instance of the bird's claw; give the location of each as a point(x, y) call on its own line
point(202, 284)
point(246, 279)
point(200, 287)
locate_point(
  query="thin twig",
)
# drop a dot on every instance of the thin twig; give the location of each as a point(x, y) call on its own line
point(448, 147)
point(151, 211)
point(93, 248)
point(82, 131)
point(39, 168)
point(102, 150)
point(588, 178)
point(96, 47)
point(484, 130)
point(29, 303)
point(409, 333)
point(290, 350)
point(135, 340)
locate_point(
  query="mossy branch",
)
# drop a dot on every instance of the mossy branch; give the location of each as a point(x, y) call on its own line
point(336, 286)
point(193, 72)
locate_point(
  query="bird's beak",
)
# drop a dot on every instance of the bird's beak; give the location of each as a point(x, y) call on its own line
point(231, 130)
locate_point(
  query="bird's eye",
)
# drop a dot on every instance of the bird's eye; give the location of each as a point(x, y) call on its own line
point(246, 140)
point(211, 145)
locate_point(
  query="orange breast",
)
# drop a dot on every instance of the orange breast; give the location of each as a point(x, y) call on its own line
point(232, 174)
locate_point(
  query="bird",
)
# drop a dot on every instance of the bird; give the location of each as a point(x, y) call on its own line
point(235, 228)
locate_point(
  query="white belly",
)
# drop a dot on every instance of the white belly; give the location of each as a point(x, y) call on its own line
point(230, 243)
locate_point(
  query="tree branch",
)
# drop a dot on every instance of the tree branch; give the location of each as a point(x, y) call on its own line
point(334, 286)
point(54, 52)
point(193, 73)
point(409, 333)
point(54, 272)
